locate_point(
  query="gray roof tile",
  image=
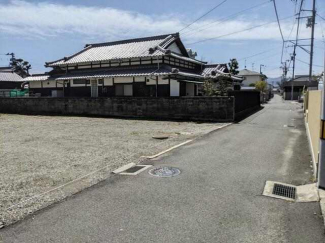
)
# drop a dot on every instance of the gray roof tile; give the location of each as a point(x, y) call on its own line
point(118, 50)
point(246, 72)
point(10, 76)
point(37, 77)
point(117, 73)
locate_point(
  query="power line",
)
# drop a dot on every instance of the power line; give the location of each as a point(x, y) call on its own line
point(284, 47)
point(226, 18)
point(254, 27)
point(308, 63)
point(264, 58)
point(277, 18)
point(321, 17)
point(204, 15)
point(257, 54)
point(321, 25)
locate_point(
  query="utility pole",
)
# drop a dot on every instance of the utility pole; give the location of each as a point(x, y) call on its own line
point(261, 65)
point(285, 71)
point(313, 20)
point(293, 58)
point(12, 56)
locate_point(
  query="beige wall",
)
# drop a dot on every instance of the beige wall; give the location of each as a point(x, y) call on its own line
point(313, 122)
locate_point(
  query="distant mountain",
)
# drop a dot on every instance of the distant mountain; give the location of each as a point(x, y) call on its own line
point(274, 81)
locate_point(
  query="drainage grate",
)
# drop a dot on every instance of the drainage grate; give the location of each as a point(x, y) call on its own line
point(164, 171)
point(284, 191)
point(133, 169)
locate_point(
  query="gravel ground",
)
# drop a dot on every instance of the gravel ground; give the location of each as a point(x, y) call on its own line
point(41, 153)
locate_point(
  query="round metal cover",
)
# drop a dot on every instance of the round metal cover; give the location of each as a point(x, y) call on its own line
point(164, 171)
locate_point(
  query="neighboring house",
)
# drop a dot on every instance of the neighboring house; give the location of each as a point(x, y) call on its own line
point(157, 66)
point(215, 71)
point(250, 77)
point(300, 83)
point(9, 79)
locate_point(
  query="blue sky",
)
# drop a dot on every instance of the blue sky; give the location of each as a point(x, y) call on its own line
point(40, 31)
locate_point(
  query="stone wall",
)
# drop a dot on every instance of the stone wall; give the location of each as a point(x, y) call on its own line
point(183, 108)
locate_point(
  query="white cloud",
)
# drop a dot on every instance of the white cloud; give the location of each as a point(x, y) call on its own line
point(47, 20)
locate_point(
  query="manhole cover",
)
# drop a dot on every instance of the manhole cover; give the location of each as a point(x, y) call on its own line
point(284, 191)
point(164, 171)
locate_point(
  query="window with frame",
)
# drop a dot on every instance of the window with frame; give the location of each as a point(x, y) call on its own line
point(123, 90)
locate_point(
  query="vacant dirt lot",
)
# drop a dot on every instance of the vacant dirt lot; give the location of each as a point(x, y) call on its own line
point(40, 153)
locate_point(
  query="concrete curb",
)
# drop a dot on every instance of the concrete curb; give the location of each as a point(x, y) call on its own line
point(123, 168)
point(167, 150)
point(184, 143)
point(322, 202)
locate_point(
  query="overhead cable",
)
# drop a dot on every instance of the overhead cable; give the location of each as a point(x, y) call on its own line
point(236, 32)
point(219, 21)
point(203, 15)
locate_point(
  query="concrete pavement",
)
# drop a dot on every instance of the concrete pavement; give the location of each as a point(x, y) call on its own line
point(216, 198)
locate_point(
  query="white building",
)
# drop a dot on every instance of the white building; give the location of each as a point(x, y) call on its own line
point(250, 77)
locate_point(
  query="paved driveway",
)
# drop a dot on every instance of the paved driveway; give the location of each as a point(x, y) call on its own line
point(216, 198)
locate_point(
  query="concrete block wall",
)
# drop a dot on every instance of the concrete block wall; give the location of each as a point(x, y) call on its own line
point(246, 102)
point(184, 108)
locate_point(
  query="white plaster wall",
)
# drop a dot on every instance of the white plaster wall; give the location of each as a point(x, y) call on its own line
point(46, 84)
point(162, 81)
point(35, 84)
point(108, 81)
point(140, 79)
point(84, 67)
point(174, 88)
point(174, 48)
point(120, 80)
point(151, 80)
point(251, 79)
point(49, 84)
point(60, 84)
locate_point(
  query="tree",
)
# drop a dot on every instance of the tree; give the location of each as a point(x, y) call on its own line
point(219, 87)
point(209, 88)
point(20, 66)
point(264, 77)
point(317, 77)
point(233, 66)
point(261, 86)
point(251, 85)
point(223, 86)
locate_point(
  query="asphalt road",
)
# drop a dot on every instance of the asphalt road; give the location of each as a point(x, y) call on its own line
point(216, 198)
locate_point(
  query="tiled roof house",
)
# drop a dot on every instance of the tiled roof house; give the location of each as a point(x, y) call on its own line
point(299, 83)
point(9, 79)
point(157, 66)
point(250, 77)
